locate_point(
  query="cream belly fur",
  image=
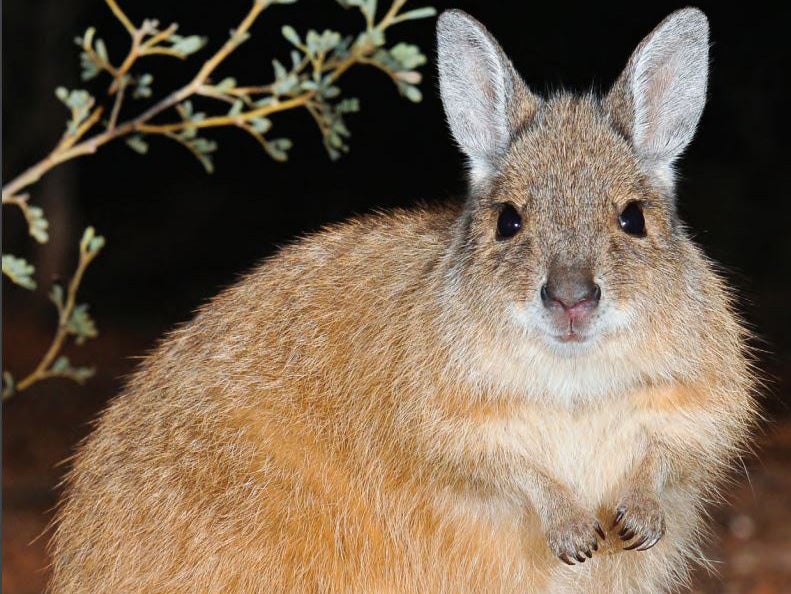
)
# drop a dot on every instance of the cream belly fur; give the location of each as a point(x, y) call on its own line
point(593, 449)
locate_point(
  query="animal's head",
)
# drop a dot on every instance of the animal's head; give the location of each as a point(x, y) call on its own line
point(570, 239)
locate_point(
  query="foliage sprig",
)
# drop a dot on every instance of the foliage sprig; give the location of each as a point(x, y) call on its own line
point(317, 61)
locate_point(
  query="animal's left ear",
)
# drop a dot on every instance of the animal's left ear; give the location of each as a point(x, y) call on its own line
point(658, 100)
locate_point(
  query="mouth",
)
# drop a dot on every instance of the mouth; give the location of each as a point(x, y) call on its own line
point(570, 336)
point(571, 332)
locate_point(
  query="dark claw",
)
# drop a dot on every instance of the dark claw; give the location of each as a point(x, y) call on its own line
point(618, 518)
point(580, 557)
point(626, 533)
point(588, 553)
point(565, 559)
point(599, 531)
point(651, 543)
point(636, 544)
point(595, 545)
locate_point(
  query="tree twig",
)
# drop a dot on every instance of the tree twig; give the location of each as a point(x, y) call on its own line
point(42, 370)
point(90, 145)
point(119, 14)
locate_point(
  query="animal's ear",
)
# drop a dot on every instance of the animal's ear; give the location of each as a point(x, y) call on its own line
point(658, 100)
point(484, 97)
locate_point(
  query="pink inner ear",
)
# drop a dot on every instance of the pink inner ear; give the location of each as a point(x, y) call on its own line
point(655, 106)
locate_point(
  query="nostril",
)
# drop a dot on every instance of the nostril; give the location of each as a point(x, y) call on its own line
point(589, 299)
point(545, 294)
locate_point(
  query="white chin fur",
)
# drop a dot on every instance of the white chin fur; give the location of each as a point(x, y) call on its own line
point(542, 368)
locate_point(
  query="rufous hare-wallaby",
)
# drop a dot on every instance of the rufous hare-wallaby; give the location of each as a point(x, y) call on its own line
point(534, 391)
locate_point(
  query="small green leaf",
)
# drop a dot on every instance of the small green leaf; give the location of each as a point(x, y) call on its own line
point(88, 66)
point(285, 82)
point(296, 59)
point(225, 84)
point(9, 385)
point(81, 324)
point(348, 105)
point(407, 55)
point(19, 271)
point(87, 39)
point(37, 224)
point(56, 295)
point(236, 108)
point(96, 244)
point(142, 93)
point(79, 103)
point(81, 374)
point(187, 45)
point(412, 77)
point(372, 37)
point(143, 86)
point(101, 50)
point(280, 70)
point(278, 149)
point(185, 110)
point(137, 144)
point(418, 13)
point(260, 125)
point(410, 92)
point(201, 148)
point(291, 35)
point(90, 242)
point(61, 365)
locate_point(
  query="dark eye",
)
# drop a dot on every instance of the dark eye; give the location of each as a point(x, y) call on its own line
point(632, 220)
point(509, 222)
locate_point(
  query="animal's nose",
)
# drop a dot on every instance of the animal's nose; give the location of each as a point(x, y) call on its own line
point(570, 289)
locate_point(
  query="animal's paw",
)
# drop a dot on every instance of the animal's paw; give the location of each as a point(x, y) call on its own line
point(574, 536)
point(641, 520)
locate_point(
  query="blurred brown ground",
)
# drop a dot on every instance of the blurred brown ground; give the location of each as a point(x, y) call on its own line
point(751, 551)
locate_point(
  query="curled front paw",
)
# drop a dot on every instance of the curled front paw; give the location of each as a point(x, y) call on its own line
point(575, 537)
point(641, 521)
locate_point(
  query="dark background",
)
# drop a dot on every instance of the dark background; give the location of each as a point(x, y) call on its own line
point(176, 235)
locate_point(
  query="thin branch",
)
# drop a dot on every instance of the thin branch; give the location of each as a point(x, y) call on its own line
point(163, 51)
point(73, 145)
point(42, 370)
point(89, 146)
point(258, 137)
point(255, 90)
point(368, 62)
point(19, 200)
point(68, 140)
point(119, 99)
point(119, 14)
point(390, 15)
point(230, 45)
point(155, 39)
point(140, 123)
point(211, 92)
point(228, 120)
point(131, 58)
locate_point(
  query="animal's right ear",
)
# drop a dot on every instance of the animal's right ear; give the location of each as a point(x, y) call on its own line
point(483, 96)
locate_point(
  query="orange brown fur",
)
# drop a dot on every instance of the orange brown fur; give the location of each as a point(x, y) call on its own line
point(361, 414)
